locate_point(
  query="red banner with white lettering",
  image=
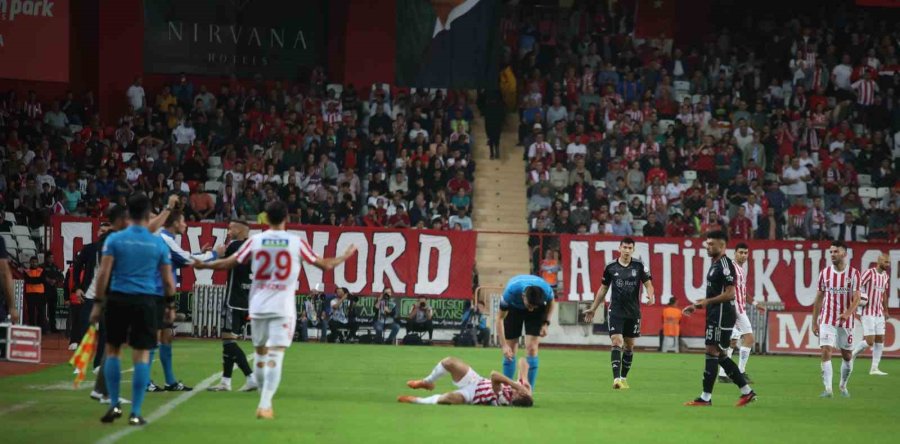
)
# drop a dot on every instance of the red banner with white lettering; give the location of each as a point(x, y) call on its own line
point(791, 333)
point(34, 40)
point(777, 271)
point(411, 262)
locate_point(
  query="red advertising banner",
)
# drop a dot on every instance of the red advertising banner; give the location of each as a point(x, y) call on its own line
point(34, 40)
point(791, 333)
point(777, 271)
point(411, 262)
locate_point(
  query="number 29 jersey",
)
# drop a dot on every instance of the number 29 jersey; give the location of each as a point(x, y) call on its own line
point(275, 258)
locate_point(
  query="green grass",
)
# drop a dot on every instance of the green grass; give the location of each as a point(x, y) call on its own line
point(347, 394)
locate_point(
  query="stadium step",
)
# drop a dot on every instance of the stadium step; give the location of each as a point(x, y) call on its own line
point(500, 206)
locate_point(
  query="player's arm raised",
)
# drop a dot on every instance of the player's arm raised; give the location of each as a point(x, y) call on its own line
point(328, 263)
point(598, 299)
point(157, 222)
point(219, 264)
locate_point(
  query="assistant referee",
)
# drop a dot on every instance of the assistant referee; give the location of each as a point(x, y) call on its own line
point(138, 267)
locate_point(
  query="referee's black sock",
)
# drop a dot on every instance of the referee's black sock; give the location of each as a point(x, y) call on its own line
point(710, 373)
point(732, 370)
point(227, 360)
point(627, 355)
point(239, 358)
point(616, 361)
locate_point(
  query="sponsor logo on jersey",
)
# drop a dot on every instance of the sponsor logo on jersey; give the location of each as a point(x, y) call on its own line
point(274, 243)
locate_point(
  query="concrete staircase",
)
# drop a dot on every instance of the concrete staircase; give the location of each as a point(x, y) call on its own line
point(500, 205)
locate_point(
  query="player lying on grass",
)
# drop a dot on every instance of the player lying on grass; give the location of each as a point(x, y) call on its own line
point(473, 389)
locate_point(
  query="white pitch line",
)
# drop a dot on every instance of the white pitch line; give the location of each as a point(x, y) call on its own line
point(17, 407)
point(163, 410)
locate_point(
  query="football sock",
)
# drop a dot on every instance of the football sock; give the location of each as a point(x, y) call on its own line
point(112, 369)
point(165, 357)
point(615, 359)
point(532, 369)
point(731, 369)
point(745, 389)
point(240, 358)
point(438, 372)
point(139, 386)
point(877, 349)
point(509, 367)
point(846, 370)
point(706, 396)
point(152, 355)
point(433, 399)
point(709, 373)
point(860, 347)
point(744, 357)
point(728, 352)
point(227, 361)
point(827, 375)
point(627, 356)
point(260, 370)
point(272, 376)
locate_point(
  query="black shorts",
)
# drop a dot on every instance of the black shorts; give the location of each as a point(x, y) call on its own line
point(719, 325)
point(133, 319)
point(515, 318)
point(629, 328)
point(233, 321)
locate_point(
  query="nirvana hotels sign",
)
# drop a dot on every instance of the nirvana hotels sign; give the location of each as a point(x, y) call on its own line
point(244, 37)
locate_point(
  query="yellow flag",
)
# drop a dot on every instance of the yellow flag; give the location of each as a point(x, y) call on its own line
point(84, 354)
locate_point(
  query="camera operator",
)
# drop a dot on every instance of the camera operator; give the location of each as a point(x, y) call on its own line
point(419, 319)
point(476, 316)
point(342, 318)
point(386, 313)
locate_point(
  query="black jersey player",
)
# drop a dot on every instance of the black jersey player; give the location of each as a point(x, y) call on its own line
point(625, 277)
point(720, 318)
point(234, 314)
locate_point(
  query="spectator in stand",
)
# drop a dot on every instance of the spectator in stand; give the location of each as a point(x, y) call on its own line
point(740, 226)
point(815, 221)
point(621, 227)
point(653, 228)
point(137, 99)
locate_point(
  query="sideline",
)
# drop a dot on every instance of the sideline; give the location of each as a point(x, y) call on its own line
point(163, 410)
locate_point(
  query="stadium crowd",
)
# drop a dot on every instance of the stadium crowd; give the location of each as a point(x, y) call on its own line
point(773, 129)
point(379, 157)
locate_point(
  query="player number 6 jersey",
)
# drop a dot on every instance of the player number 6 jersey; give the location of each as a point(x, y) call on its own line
point(275, 258)
point(839, 289)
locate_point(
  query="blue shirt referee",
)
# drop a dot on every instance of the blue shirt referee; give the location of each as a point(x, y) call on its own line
point(527, 301)
point(138, 267)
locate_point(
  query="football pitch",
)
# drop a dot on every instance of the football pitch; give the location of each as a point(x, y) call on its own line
point(333, 393)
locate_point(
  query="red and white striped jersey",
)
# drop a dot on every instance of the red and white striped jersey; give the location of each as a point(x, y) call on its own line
point(740, 290)
point(484, 394)
point(874, 284)
point(276, 257)
point(839, 288)
point(865, 91)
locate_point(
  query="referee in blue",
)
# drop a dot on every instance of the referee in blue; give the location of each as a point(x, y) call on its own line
point(138, 267)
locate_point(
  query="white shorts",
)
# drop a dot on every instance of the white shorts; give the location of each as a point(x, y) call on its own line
point(272, 332)
point(468, 385)
point(741, 326)
point(873, 325)
point(839, 337)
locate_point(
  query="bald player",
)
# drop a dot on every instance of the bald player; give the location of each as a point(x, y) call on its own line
point(874, 284)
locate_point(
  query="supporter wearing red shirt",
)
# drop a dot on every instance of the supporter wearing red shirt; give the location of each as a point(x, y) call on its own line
point(656, 172)
point(740, 226)
point(677, 227)
point(372, 218)
point(459, 182)
point(797, 218)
